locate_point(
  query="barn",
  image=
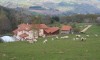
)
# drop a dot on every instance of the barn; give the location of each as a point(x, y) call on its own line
point(66, 29)
point(51, 31)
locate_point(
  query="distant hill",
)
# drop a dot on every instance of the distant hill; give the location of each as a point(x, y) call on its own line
point(81, 8)
point(65, 8)
point(10, 18)
point(7, 21)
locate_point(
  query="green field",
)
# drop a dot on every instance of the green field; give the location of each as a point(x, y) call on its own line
point(59, 49)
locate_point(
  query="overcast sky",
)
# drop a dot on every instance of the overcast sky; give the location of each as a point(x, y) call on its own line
point(53, 0)
point(93, 2)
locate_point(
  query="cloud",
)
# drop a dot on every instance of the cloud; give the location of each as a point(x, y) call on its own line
point(29, 2)
point(36, 1)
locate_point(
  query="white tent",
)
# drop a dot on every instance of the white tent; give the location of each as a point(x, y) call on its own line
point(8, 39)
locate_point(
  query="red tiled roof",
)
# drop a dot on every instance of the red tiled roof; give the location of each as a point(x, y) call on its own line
point(40, 26)
point(24, 35)
point(28, 27)
point(23, 26)
point(66, 27)
point(51, 29)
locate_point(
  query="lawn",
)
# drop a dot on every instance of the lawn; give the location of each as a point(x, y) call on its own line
point(59, 49)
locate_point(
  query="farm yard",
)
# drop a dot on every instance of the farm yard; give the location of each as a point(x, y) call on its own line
point(68, 47)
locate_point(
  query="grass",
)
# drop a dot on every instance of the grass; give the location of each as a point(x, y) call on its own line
point(59, 49)
point(94, 30)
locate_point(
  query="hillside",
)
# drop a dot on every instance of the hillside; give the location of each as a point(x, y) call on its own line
point(10, 18)
point(7, 21)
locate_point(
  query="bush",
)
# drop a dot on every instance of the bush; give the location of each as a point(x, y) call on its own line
point(76, 30)
point(1, 40)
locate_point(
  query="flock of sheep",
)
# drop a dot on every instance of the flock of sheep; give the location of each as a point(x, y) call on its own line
point(77, 37)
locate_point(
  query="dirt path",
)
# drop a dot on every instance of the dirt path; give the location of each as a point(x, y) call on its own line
point(85, 29)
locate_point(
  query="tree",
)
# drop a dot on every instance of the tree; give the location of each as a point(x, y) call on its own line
point(5, 24)
point(55, 19)
point(98, 20)
point(36, 19)
point(75, 28)
point(46, 19)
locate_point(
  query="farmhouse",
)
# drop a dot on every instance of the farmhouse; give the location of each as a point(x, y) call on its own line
point(25, 31)
point(33, 31)
point(51, 31)
point(66, 29)
point(40, 28)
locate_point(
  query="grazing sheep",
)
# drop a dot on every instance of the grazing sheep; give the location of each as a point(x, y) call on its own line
point(30, 41)
point(35, 40)
point(96, 35)
point(78, 35)
point(65, 37)
point(13, 58)
point(62, 37)
point(87, 35)
point(57, 37)
point(83, 39)
point(45, 41)
point(4, 54)
point(76, 38)
point(52, 38)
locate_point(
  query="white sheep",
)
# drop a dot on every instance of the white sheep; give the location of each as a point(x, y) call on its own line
point(82, 38)
point(78, 35)
point(35, 40)
point(96, 35)
point(76, 38)
point(30, 41)
point(45, 41)
point(61, 37)
point(87, 35)
point(65, 37)
point(52, 38)
point(57, 37)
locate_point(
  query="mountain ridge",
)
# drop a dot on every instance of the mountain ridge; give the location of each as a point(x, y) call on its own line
point(64, 6)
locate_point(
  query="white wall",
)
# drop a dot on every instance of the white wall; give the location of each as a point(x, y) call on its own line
point(65, 32)
point(41, 32)
point(30, 33)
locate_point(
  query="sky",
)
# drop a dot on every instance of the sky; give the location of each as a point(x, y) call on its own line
point(28, 2)
point(51, 0)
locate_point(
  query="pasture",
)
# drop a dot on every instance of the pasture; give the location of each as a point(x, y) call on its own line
point(57, 49)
